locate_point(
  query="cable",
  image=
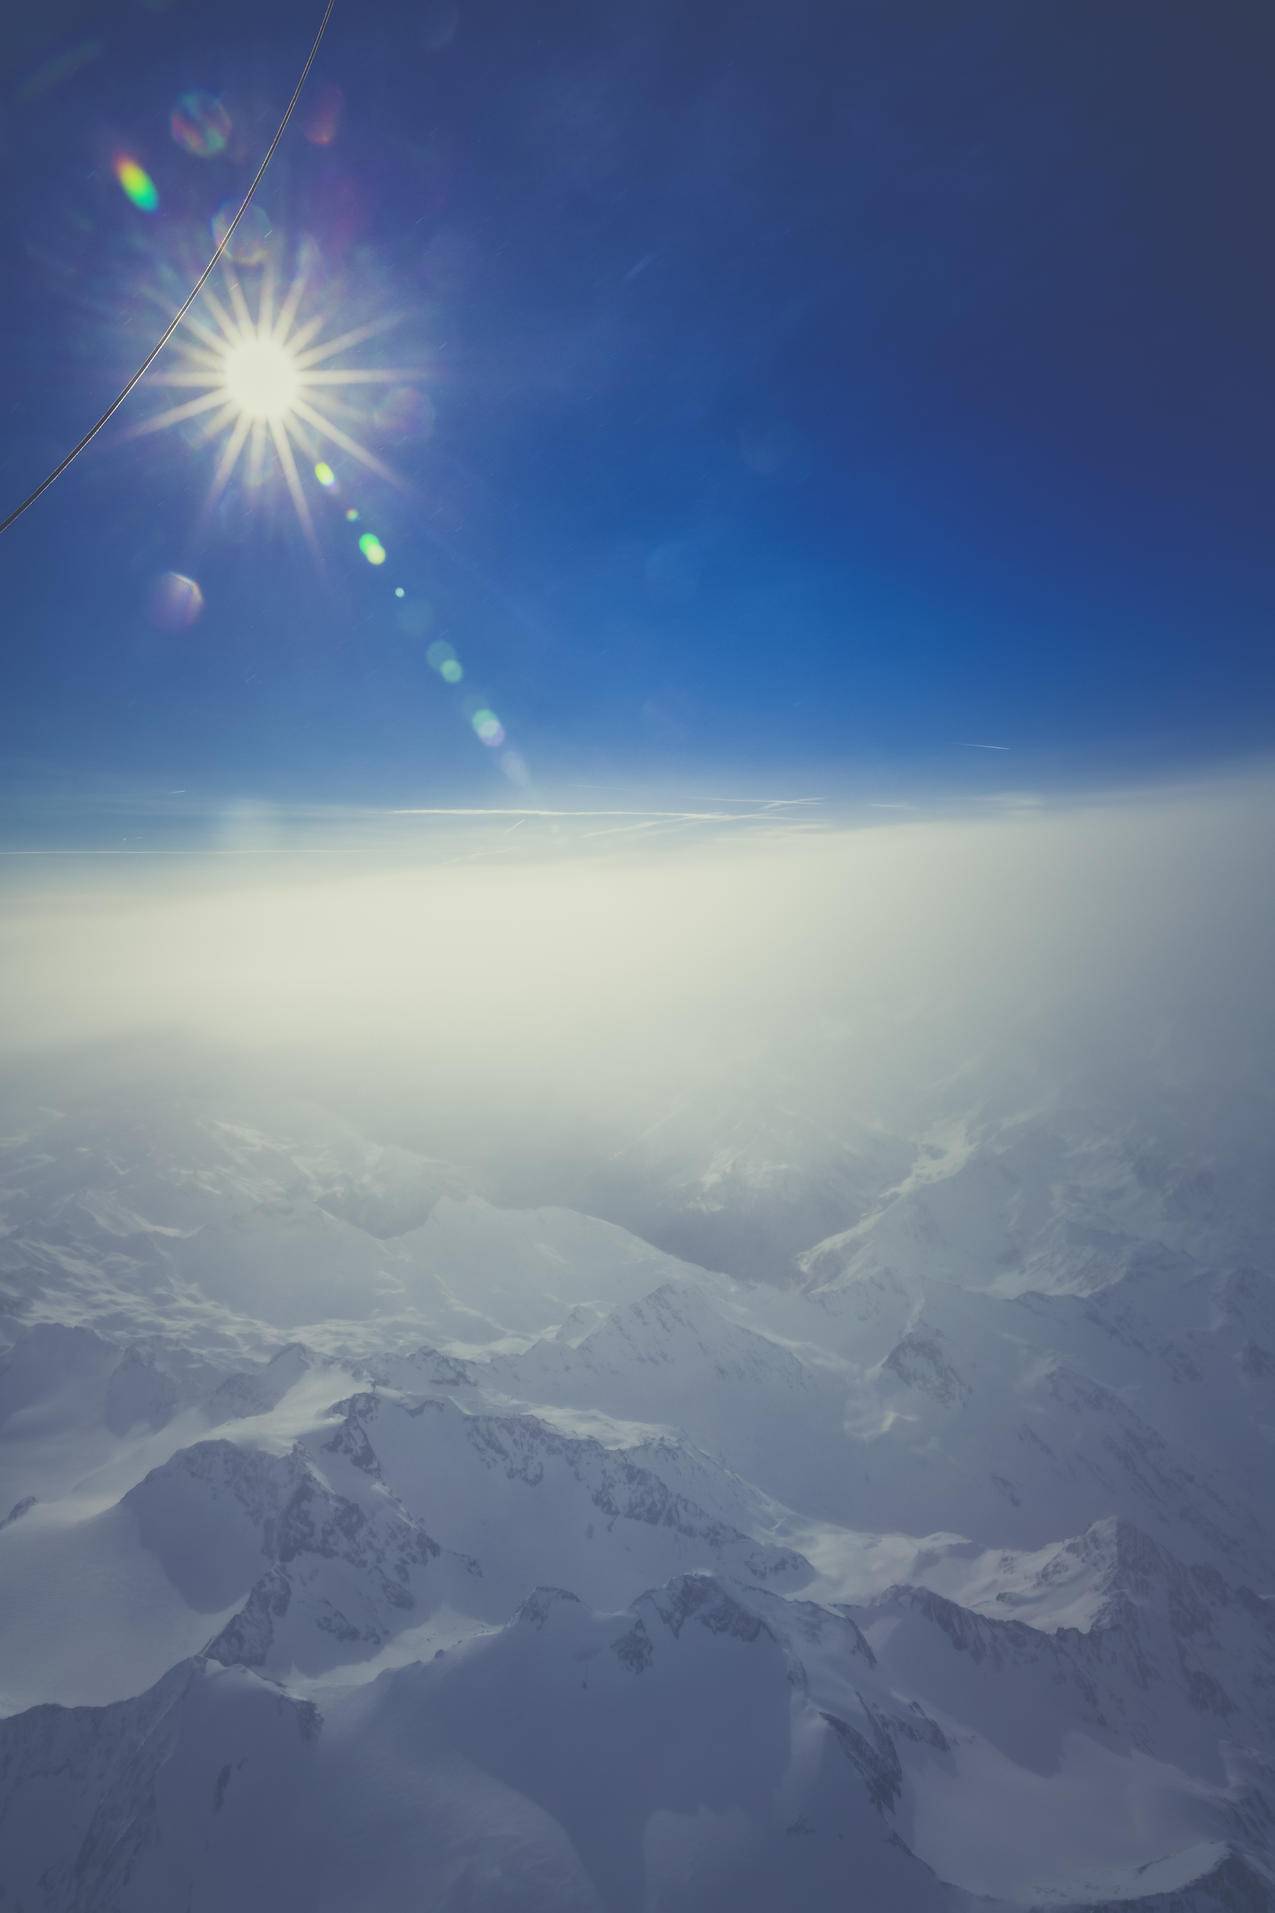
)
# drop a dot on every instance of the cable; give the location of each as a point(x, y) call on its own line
point(191, 296)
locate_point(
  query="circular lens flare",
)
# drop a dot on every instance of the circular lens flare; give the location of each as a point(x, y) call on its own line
point(200, 123)
point(261, 378)
point(175, 601)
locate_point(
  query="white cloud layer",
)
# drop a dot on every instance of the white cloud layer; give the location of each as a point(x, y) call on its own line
point(864, 963)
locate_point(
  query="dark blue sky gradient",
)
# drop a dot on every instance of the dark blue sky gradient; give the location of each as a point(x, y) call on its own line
point(817, 389)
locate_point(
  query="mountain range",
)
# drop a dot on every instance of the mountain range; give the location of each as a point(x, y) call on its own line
point(806, 1514)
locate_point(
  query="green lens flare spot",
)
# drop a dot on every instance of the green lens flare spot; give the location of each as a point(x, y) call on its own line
point(137, 184)
point(489, 728)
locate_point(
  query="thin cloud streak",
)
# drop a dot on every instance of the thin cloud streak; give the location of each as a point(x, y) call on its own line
point(687, 816)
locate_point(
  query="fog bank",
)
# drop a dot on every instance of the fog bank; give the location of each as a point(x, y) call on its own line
point(854, 967)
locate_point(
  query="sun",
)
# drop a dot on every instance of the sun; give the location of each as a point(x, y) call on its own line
point(265, 380)
point(261, 378)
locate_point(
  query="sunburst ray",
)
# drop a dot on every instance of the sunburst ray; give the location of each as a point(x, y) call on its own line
point(243, 319)
point(292, 478)
point(358, 335)
point(288, 310)
point(160, 421)
point(226, 463)
point(373, 375)
point(213, 427)
point(348, 444)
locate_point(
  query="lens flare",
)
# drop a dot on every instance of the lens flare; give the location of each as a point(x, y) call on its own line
point(372, 548)
point(414, 618)
point(200, 125)
point(323, 120)
point(137, 184)
point(59, 69)
point(250, 242)
point(441, 658)
point(489, 728)
point(325, 474)
point(175, 601)
point(405, 413)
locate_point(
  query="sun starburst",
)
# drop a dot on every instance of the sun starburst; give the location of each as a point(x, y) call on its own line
point(264, 379)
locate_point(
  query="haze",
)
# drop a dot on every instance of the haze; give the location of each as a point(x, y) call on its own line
point(512, 998)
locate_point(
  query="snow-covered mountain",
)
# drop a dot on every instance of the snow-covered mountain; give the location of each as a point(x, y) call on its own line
point(364, 1541)
point(744, 1180)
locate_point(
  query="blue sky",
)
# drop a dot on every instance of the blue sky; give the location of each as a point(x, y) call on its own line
point(815, 393)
